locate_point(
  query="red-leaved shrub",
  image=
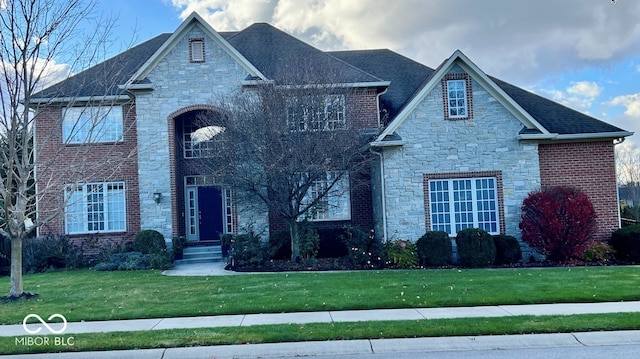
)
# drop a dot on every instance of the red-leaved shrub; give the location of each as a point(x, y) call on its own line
point(559, 222)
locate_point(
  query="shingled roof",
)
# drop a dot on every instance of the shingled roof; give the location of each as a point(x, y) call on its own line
point(104, 78)
point(272, 51)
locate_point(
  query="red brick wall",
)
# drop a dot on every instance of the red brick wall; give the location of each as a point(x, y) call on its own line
point(589, 166)
point(59, 164)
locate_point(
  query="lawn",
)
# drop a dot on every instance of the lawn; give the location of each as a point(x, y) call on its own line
point(89, 295)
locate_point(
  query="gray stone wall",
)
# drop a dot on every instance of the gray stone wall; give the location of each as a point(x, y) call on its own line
point(178, 83)
point(435, 145)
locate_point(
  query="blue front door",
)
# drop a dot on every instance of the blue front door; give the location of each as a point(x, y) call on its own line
point(210, 207)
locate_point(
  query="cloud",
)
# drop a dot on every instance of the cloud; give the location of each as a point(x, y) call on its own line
point(519, 41)
point(580, 95)
point(630, 102)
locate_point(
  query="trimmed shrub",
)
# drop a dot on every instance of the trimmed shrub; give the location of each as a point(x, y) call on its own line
point(126, 261)
point(364, 251)
point(508, 250)
point(50, 252)
point(309, 240)
point(598, 253)
point(559, 222)
point(331, 242)
point(149, 241)
point(402, 254)
point(475, 248)
point(248, 250)
point(434, 249)
point(280, 245)
point(626, 243)
point(177, 246)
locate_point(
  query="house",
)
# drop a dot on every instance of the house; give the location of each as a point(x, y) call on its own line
point(455, 148)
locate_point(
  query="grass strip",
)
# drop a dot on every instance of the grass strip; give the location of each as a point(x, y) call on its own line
point(88, 295)
point(333, 331)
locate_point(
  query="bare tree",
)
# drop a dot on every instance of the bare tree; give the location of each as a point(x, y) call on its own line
point(293, 144)
point(35, 37)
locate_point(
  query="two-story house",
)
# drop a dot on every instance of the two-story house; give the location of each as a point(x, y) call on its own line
point(455, 148)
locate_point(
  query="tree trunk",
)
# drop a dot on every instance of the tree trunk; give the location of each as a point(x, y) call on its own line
point(295, 240)
point(16, 289)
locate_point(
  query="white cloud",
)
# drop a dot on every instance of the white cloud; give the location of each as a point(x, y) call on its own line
point(580, 95)
point(516, 40)
point(585, 89)
point(631, 102)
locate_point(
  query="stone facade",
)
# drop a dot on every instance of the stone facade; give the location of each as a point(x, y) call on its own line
point(485, 142)
point(178, 83)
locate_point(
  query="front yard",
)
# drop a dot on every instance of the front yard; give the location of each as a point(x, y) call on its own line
point(89, 295)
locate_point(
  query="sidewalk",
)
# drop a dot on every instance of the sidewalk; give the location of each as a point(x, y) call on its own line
point(356, 346)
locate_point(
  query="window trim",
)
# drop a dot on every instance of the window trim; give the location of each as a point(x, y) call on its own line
point(72, 129)
point(195, 51)
point(497, 175)
point(82, 203)
point(468, 95)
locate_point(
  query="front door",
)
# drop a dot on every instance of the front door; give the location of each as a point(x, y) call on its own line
point(204, 215)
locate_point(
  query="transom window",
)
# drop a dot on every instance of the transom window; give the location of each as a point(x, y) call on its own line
point(92, 124)
point(456, 204)
point(199, 141)
point(335, 205)
point(457, 98)
point(309, 114)
point(95, 207)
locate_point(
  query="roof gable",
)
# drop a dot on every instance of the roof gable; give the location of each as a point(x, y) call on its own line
point(193, 20)
point(459, 59)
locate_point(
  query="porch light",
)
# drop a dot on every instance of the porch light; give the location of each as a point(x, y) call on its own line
point(157, 196)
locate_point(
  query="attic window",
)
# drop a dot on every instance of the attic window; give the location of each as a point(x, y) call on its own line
point(196, 50)
point(457, 97)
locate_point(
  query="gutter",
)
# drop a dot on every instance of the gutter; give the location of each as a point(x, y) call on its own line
point(574, 136)
point(110, 98)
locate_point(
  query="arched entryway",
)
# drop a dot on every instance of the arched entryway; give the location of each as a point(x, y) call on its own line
point(205, 207)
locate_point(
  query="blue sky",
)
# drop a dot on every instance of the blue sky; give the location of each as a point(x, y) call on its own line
point(582, 53)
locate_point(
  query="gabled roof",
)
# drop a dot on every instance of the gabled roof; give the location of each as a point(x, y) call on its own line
point(193, 20)
point(275, 53)
point(541, 117)
point(265, 51)
point(406, 76)
point(104, 78)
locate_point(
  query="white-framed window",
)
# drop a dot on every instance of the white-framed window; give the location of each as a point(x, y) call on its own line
point(198, 141)
point(457, 103)
point(92, 124)
point(95, 207)
point(459, 203)
point(196, 50)
point(326, 114)
point(335, 204)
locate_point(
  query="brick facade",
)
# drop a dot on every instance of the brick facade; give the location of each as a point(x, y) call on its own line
point(590, 167)
point(58, 164)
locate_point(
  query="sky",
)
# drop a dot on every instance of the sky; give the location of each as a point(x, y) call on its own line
point(582, 53)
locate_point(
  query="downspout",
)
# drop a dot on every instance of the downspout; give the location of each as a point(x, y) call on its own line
point(382, 193)
point(382, 183)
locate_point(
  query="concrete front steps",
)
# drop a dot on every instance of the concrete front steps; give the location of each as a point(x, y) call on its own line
point(201, 254)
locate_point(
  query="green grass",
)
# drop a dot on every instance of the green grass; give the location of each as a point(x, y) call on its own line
point(89, 295)
point(334, 331)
